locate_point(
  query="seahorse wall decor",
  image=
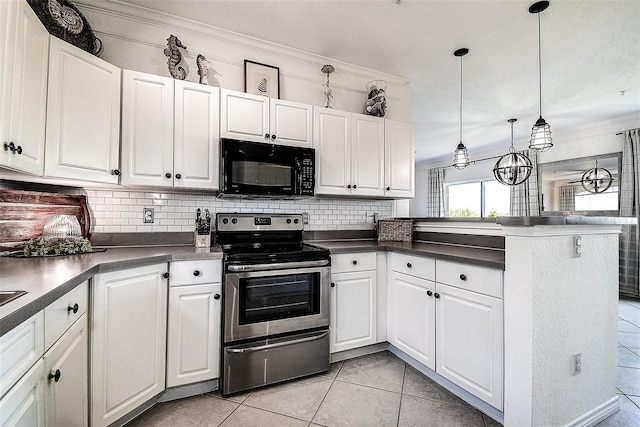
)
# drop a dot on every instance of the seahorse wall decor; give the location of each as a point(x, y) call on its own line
point(203, 69)
point(178, 67)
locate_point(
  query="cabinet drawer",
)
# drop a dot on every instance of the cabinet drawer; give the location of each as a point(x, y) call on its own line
point(195, 272)
point(417, 266)
point(477, 279)
point(62, 313)
point(357, 261)
point(19, 350)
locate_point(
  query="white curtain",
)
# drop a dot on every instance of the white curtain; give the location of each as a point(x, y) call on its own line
point(435, 192)
point(525, 196)
point(630, 207)
point(567, 198)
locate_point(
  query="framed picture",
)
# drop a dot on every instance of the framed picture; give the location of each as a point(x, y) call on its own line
point(261, 79)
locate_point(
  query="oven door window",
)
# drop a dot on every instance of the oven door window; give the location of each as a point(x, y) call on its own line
point(263, 299)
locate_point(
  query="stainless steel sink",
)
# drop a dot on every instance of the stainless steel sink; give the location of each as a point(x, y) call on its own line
point(6, 296)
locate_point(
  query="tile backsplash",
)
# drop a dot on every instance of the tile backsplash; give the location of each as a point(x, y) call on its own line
point(115, 211)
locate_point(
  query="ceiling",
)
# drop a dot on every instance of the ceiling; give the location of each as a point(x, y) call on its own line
point(590, 57)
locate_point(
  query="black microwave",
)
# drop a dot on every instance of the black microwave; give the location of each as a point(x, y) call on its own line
point(258, 169)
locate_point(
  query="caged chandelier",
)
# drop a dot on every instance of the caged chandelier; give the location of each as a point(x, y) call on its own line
point(512, 168)
point(541, 132)
point(460, 155)
point(596, 180)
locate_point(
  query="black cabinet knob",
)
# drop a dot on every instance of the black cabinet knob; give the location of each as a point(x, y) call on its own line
point(168, 175)
point(266, 136)
point(355, 262)
point(73, 308)
point(216, 296)
point(196, 273)
point(409, 265)
point(463, 277)
point(388, 188)
point(273, 137)
point(54, 376)
point(429, 293)
point(166, 275)
point(8, 146)
point(355, 186)
point(437, 295)
point(115, 172)
point(349, 186)
point(19, 150)
point(333, 285)
point(178, 176)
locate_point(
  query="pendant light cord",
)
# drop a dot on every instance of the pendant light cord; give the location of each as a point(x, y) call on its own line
point(539, 64)
point(460, 99)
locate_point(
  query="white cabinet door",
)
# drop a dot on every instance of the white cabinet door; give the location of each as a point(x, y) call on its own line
point(24, 404)
point(83, 115)
point(147, 129)
point(66, 369)
point(399, 159)
point(193, 343)
point(291, 123)
point(469, 342)
point(367, 155)
point(353, 310)
point(332, 141)
point(411, 311)
point(128, 346)
point(23, 93)
point(197, 136)
point(244, 116)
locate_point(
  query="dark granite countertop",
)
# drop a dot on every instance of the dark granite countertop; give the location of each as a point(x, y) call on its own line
point(492, 258)
point(47, 279)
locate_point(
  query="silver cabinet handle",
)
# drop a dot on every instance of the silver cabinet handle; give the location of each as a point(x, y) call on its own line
point(278, 265)
point(276, 345)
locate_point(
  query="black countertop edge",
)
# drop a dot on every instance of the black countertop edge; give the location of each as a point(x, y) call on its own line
point(528, 221)
point(81, 268)
point(482, 257)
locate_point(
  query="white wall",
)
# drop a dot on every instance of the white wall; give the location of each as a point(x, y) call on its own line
point(600, 138)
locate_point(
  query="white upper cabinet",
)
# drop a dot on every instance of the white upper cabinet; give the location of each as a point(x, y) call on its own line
point(83, 115)
point(258, 118)
point(332, 141)
point(23, 88)
point(399, 159)
point(170, 132)
point(349, 153)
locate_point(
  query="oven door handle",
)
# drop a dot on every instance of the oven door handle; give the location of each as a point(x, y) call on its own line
point(277, 345)
point(278, 266)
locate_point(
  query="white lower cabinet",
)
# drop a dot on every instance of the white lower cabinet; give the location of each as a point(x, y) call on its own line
point(23, 405)
point(454, 328)
point(128, 340)
point(193, 338)
point(353, 301)
point(66, 373)
point(411, 317)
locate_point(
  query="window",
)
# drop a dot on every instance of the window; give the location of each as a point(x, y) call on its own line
point(478, 199)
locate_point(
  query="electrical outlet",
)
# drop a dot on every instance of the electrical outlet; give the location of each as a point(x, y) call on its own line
point(577, 246)
point(305, 217)
point(147, 215)
point(577, 363)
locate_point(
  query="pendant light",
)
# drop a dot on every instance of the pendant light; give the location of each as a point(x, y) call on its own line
point(460, 155)
point(596, 180)
point(512, 168)
point(541, 132)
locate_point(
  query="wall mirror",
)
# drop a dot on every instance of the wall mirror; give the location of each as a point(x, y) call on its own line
point(562, 191)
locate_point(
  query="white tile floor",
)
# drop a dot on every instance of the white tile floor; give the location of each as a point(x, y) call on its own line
point(378, 390)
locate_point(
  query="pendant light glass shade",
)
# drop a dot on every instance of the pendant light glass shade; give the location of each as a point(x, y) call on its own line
point(512, 168)
point(461, 155)
point(596, 180)
point(541, 132)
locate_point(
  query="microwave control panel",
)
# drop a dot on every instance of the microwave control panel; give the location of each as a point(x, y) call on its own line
point(307, 180)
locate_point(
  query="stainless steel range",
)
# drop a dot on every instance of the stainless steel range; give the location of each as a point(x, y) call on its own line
point(276, 301)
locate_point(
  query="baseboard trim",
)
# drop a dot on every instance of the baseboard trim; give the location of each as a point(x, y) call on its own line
point(597, 414)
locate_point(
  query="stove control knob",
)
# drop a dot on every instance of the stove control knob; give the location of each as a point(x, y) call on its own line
point(295, 221)
point(225, 220)
point(288, 220)
point(234, 220)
